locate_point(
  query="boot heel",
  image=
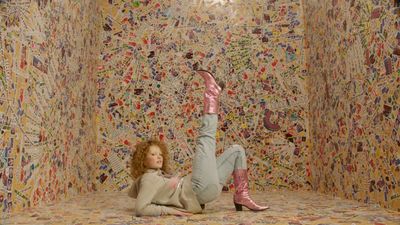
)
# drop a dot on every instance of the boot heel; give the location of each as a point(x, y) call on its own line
point(238, 207)
point(221, 84)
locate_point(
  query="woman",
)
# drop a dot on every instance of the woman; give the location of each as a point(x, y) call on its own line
point(157, 193)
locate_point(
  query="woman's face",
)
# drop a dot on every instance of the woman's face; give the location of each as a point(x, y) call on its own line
point(154, 158)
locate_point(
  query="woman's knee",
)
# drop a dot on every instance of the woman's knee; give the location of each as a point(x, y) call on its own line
point(238, 148)
point(209, 193)
point(241, 159)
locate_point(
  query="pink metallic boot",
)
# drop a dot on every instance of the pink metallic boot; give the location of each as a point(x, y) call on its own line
point(212, 92)
point(241, 197)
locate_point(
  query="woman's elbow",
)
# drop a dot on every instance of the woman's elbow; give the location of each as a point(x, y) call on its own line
point(143, 211)
point(139, 212)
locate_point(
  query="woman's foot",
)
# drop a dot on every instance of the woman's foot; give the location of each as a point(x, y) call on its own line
point(212, 92)
point(205, 74)
point(241, 196)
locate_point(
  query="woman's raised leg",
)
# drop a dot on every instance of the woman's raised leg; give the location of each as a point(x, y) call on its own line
point(205, 180)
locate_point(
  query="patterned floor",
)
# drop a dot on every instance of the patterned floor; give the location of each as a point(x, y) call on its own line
point(287, 207)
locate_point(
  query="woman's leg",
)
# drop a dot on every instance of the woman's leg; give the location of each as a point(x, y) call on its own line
point(204, 177)
point(205, 180)
point(234, 160)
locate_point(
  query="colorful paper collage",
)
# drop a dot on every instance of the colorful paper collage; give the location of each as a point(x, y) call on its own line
point(47, 100)
point(313, 97)
point(354, 86)
point(148, 87)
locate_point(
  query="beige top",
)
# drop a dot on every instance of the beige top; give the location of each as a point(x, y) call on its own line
point(154, 197)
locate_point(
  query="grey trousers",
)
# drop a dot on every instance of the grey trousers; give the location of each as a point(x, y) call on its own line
point(209, 174)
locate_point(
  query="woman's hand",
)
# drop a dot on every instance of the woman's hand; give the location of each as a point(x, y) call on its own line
point(176, 212)
point(174, 181)
point(180, 213)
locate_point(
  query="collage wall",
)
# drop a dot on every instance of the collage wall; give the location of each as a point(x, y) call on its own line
point(47, 100)
point(148, 87)
point(354, 64)
point(83, 81)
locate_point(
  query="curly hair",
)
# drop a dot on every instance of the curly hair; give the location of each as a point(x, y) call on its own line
point(137, 161)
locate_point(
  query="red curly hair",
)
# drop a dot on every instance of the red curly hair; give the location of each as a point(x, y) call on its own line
point(137, 161)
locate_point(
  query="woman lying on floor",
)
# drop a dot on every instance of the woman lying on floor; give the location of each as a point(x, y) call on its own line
point(158, 194)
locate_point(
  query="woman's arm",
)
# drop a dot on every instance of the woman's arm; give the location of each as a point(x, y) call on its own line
point(149, 185)
point(133, 190)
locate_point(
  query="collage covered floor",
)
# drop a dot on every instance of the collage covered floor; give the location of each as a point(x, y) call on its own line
point(286, 207)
